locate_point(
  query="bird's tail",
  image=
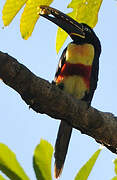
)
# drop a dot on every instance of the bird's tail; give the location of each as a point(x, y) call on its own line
point(61, 147)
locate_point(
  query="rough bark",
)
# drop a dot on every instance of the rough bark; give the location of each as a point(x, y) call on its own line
point(44, 97)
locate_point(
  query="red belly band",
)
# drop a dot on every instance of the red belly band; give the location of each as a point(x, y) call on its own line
point(82, 70)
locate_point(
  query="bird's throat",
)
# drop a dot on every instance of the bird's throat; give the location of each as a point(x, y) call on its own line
point(82, 54)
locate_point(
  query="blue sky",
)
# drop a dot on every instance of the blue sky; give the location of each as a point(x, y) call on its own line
point(21, 128)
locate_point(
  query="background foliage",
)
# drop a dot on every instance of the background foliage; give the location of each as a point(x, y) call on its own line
point(27, 130)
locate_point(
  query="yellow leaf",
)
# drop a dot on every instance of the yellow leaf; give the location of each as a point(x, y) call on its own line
point(62, 35)
point(42, 160)
point(85, 170)
point(84, 11)
point(60, 39)
point(30, 16)
point(10, 9)
point(2, 178)
point(9, 164)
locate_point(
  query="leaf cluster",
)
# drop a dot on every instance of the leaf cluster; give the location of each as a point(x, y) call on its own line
point(83, 11)
point(42, 162)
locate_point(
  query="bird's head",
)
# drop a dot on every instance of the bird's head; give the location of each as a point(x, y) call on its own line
point(79, 32)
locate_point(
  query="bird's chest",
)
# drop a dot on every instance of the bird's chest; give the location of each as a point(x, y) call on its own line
point(76, 86)
point(75, 73)
point(75, 79)
point(80, 54)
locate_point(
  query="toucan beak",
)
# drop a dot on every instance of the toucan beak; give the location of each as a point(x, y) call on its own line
point(65, 22)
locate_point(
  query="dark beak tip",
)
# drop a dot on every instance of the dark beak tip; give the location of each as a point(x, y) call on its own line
point(72, 27)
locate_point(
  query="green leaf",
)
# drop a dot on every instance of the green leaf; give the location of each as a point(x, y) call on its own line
point(115, 178)
point(2, 178)
point(42, 160)
point(115, 162)
point(9, 164)
point(10, 9)
point(84, 11)
point(86, 169)
point(30, 16)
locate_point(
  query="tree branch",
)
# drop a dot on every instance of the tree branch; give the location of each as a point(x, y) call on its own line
point(44, 97)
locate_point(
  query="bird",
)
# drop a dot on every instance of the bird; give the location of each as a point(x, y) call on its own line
point(77, 72)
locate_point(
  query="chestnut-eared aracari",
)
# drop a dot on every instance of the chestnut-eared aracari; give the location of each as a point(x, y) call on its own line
point(77, 72)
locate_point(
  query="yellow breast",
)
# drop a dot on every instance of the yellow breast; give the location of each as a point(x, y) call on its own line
point(83, 54)
point(75, 85)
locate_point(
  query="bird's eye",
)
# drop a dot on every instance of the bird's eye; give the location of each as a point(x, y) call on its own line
point(87, 29)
